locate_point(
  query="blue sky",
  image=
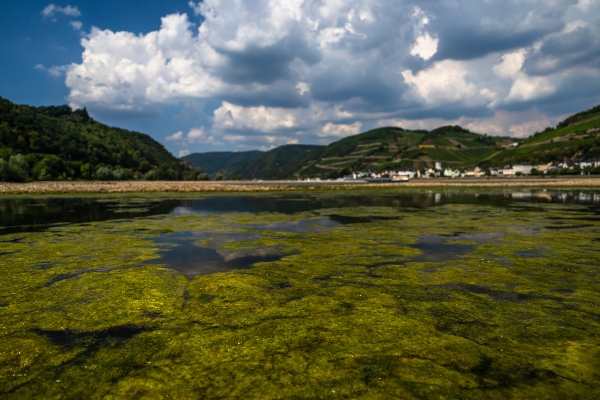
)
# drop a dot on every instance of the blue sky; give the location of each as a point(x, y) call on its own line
point(224, 75)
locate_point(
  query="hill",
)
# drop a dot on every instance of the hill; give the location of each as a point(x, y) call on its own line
point(393, 148)
point(396, 148)
point(213, 162)
point(576, 137)
point(58, 143)
point(279, 163)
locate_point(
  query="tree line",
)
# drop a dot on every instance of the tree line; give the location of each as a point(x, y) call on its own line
point(58, 143)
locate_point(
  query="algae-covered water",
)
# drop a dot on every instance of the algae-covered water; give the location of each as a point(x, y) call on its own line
point(350, 294)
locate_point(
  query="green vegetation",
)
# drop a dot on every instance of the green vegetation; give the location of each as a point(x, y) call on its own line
point(279, 163)
point(57, 143)
point(353, 311)
point(395, 148)
point(213, 162)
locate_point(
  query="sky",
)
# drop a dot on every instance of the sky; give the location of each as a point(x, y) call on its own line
point(233, 75)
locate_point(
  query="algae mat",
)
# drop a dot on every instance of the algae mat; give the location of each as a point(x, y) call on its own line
point(454, 301)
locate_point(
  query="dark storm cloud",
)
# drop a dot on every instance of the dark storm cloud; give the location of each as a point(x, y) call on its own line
point(581, 47)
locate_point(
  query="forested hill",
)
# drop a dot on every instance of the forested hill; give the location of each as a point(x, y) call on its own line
point(217, 161)
point(57, 143)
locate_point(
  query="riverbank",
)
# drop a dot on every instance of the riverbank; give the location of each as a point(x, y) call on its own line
point(258, 186)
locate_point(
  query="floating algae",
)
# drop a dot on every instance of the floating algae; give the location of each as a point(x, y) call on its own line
point(92, 311)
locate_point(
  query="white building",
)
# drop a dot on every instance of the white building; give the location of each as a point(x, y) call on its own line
point(451, 173)
point(523, 168)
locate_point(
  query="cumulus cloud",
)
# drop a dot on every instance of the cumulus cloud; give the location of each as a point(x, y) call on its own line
point(77, 25)
point(52, 9)
point(308, 70)
point(195, 136)
point(340, 130)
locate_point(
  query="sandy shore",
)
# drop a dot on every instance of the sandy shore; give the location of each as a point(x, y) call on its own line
point(254, 186)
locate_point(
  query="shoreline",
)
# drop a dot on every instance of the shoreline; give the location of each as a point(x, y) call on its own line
point(66, 187)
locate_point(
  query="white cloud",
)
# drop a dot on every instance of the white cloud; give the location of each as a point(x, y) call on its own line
point(198, 135)
point(194, 136)
point(425, 47)
point(311, 70)
point(175, 136)
point(77, 25)
point(448, 82)
point(51, 10)
point(260, 119)
point(56, 71)
point(511, 64)
point(340, 130)
point(528, 88)
point(183, 153)
point(522, 123)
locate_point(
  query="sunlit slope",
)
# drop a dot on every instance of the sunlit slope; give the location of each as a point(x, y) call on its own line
point(576, 137)
point(394, 148)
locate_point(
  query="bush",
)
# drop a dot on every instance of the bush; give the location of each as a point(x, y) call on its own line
point(11, 173)
point(48, 168)
point(104, 174)
point(151, 175)
point(218, 177)
point(118, 174)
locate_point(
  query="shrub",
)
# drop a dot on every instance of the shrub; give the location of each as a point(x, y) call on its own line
point(104, 173)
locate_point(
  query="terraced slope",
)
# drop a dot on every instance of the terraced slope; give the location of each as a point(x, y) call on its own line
point(576, 137)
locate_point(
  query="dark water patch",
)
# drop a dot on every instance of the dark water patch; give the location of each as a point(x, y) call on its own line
point(281, 285)
point(520, 208)
point(560, 226)
point(434, 249)
point(152, 315)
point(192, 260)
point(32, 214)
point(13, 240)
point(562, 290)
point(44, 265)
point(348, 219)
point(509, 296)
point(304, 226)
point(587, 219)
point(61, 277)
point(21, 214)
point(319, 279)
point(532, 253)
point(69, 339)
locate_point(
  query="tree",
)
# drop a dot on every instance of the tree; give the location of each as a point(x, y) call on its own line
point(104, 173)
point(218, 177)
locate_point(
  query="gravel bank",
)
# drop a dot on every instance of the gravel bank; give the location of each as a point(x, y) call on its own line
point(253, 186)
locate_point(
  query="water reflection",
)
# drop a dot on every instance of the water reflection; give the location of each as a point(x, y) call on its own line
point(29, 214)
point(190, 259)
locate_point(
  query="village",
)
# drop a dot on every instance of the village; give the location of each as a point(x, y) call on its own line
point(571, 167)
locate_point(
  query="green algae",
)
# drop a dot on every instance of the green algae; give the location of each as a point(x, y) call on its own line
point(87, 312)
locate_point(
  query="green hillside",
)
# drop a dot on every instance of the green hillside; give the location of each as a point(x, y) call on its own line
point(279, 163)
point(392, 148)
point(57, 143)
point(576, 137)
point(213, 162)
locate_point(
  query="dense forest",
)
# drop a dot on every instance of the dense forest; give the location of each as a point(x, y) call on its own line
point(58, 143)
